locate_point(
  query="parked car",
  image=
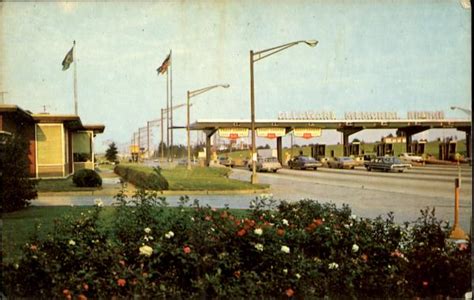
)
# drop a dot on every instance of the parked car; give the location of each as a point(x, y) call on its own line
point(342, 162)
point(269, 164)
point(303, 163)
point(386, 163)
point(410, 157)
point(226, 161)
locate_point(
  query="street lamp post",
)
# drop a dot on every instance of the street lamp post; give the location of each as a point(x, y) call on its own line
point(254, 57)
point(191, 94)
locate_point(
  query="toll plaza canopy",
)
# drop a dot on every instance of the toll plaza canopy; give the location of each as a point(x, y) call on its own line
point(312, 128)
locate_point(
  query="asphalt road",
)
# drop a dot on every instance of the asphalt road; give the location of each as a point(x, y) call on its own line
point(370, 194)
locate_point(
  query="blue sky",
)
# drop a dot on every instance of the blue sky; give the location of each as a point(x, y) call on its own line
point(372, 56)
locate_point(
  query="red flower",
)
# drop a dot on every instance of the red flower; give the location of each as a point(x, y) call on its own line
point(364, 257)
point(281, 232)
point(81, 297)
point(85, 286)
point(237, 274)
point(121, 282)
point(33, 248)
point(462, 246)
point(241, 232)
point(186, 249)
point(208, 218)
point(66, 292)
point(318, 222)
point(289, 292)
point(425, 284)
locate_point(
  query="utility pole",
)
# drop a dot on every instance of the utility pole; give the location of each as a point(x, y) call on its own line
point(3, 95)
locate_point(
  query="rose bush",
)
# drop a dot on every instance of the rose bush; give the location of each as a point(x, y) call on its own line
point(303, 249)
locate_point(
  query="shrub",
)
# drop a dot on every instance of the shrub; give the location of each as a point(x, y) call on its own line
point(143, 179)
point(16, 189)
point(86, 178)
point(303, 250)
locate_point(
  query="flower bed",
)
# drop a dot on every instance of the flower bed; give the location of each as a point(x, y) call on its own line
point(304, 249)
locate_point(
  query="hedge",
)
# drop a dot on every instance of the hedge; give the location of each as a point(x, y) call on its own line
point(86, 178)
point(146, 180)
point(296, 250)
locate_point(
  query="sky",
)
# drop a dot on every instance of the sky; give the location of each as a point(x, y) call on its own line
point(372, 56)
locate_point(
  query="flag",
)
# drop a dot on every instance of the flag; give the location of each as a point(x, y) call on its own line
point(68, 59)
point(164, 66)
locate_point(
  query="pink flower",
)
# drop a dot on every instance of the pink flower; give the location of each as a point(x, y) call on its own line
point(121, 282)
point(289, 292)
point(186, 249)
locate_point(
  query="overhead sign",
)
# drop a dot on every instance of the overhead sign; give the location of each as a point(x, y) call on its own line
point(425, 115)
point(307, 115)
point(271, 133)
point(307, 133)
point(357, 115)
point(233, 133)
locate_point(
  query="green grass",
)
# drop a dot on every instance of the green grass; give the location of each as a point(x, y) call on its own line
point(201, 179)
point(60, 185)
point(19, 226)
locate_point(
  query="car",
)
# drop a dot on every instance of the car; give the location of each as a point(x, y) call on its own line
point(386, 163)
point(342, 162)
point(410, 157)
point(269, 164)
point(304, 162)
point(226, 161)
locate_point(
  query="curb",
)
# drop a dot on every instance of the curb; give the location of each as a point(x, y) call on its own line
point(130, 193)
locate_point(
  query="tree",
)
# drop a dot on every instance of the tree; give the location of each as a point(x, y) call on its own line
point(16, 188)
point(111, 153)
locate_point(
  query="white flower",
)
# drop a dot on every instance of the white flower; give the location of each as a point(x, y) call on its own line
point(355, 248)
point(285, 271)
point(98, 202)
point(298, 275)
point(72, 243)
point(285, 249)
point(169, 234)
point(333, 266)
point(259, 247)
point(346, 226)
point(147, 230)
point(353, 217)
point(285, 222)
point(145, 238)
point(146, 250)
point(258, 231)
point(192, 219)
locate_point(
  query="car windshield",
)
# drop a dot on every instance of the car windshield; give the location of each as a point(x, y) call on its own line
point(271, 159)
point(392, 160)
point(307, 159)
point(346, 158)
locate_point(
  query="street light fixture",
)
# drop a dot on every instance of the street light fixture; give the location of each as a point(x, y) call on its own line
point(254, 57)
point(467, 111)
point(190, 95)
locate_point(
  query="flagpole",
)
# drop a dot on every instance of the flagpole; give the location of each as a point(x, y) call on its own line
point(171, 105)
point(167, 116)
point(75, 76)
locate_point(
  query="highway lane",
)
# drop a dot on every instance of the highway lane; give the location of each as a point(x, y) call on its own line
point(371, 194)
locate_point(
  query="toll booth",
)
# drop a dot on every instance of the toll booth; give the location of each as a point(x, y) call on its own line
point(417, 148)
point(318, 151)
point(447, 150)
point(354, 149)
point(384, 149)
